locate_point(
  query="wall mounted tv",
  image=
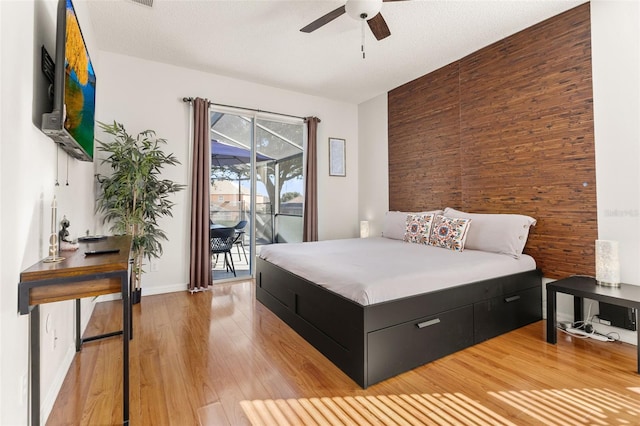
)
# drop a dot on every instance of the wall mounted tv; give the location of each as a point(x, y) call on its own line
point(71, 122)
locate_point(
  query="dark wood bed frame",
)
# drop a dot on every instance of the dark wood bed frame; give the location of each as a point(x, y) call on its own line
point(372, 343)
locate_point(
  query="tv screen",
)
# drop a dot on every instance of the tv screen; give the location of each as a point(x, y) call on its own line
point(72, 121)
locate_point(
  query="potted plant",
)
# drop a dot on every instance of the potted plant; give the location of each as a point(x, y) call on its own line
point(134, 196)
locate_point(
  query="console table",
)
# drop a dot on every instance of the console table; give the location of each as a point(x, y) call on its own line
point(579, 287)
point(76, 277)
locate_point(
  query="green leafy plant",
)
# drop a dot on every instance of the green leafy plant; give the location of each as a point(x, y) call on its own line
point(134, 196)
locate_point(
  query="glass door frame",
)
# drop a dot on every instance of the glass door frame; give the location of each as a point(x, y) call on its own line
point(252, 184)
point(254, 116)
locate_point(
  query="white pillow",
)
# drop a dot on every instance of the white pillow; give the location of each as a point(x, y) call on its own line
point(496, 233)
point(395, 224)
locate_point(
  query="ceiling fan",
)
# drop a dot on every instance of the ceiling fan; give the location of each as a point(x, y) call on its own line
point(361, 10)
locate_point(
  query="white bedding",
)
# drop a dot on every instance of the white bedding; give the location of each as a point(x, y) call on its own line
point(375, 270)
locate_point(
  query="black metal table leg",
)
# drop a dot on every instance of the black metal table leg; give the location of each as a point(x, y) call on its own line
point(34, 325)
point(126, 334)
point(129, 277)
point(78, 338)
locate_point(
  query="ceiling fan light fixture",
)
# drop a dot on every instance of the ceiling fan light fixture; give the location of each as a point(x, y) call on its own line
point(363, 9)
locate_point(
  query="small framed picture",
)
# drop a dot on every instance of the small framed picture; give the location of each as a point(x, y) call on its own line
point(337, 157)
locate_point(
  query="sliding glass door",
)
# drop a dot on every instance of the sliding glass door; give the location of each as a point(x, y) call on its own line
point(281, 181)
point(256, 187)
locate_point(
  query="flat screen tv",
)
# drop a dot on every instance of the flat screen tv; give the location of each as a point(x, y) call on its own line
point(71, 122)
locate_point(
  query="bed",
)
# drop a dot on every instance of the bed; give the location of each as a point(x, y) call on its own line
point(377, 307)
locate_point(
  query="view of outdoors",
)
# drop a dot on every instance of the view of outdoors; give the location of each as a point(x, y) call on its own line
point(279, 177)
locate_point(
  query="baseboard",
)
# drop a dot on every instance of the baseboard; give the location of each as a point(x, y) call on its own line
point(147, 292)
point(164, 289)
point(46, 404)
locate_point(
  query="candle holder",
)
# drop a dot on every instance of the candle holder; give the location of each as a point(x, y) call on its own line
point(53, 237)
point(53, 250)
point(607, 263)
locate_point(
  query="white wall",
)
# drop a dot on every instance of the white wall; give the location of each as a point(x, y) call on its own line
point(616, 94)
point(148, 95)
point(28, 176)
point(616, 91)
point(373, 158)
point(615, 44)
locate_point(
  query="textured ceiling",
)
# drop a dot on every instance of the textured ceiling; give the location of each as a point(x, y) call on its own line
point(260, 41)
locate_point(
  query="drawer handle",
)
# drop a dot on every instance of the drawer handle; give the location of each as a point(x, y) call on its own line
point(511, 299)
point(428, 323)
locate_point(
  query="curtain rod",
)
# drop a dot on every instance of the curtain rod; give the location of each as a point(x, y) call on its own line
point(189, 100)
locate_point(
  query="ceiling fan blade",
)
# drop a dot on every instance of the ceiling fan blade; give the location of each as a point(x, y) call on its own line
point(379, 27)
point(324, 20)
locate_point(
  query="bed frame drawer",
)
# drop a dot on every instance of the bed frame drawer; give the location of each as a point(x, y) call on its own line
point(405, 346)
point(505, 313)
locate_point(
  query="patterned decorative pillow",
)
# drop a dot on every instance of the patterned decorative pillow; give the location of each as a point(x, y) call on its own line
point(418, 228)
point(395, 223)
point(449, 232)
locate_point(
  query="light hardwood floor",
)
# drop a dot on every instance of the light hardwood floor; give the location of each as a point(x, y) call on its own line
point(220, 357)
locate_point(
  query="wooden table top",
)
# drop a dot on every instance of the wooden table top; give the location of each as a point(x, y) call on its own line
point(76, 263)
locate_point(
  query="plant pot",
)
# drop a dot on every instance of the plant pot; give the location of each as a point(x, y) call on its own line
point(135, 296)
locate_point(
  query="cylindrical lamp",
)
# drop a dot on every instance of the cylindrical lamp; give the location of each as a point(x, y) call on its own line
point(607, 263)
point(364, 229)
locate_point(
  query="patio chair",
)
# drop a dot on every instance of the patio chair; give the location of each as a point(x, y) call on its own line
point(239, 242)
point(222, 240)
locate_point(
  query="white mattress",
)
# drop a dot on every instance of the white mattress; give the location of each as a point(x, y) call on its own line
point(375, 270)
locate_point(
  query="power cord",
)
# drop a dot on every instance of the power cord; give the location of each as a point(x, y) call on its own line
point(581, 334)
point(585, 329)
point(613, 334)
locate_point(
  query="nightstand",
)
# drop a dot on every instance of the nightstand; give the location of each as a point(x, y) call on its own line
point(626, 295)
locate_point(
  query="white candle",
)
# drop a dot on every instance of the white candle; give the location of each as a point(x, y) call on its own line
point(53, 215)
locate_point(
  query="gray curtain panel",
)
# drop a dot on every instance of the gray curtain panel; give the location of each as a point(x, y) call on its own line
point(310, 219)
point(200, 262)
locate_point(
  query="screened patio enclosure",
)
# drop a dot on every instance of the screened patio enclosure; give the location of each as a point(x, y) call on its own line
point(269, 197)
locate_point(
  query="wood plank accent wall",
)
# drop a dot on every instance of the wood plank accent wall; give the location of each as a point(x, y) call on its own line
point(507, 129)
